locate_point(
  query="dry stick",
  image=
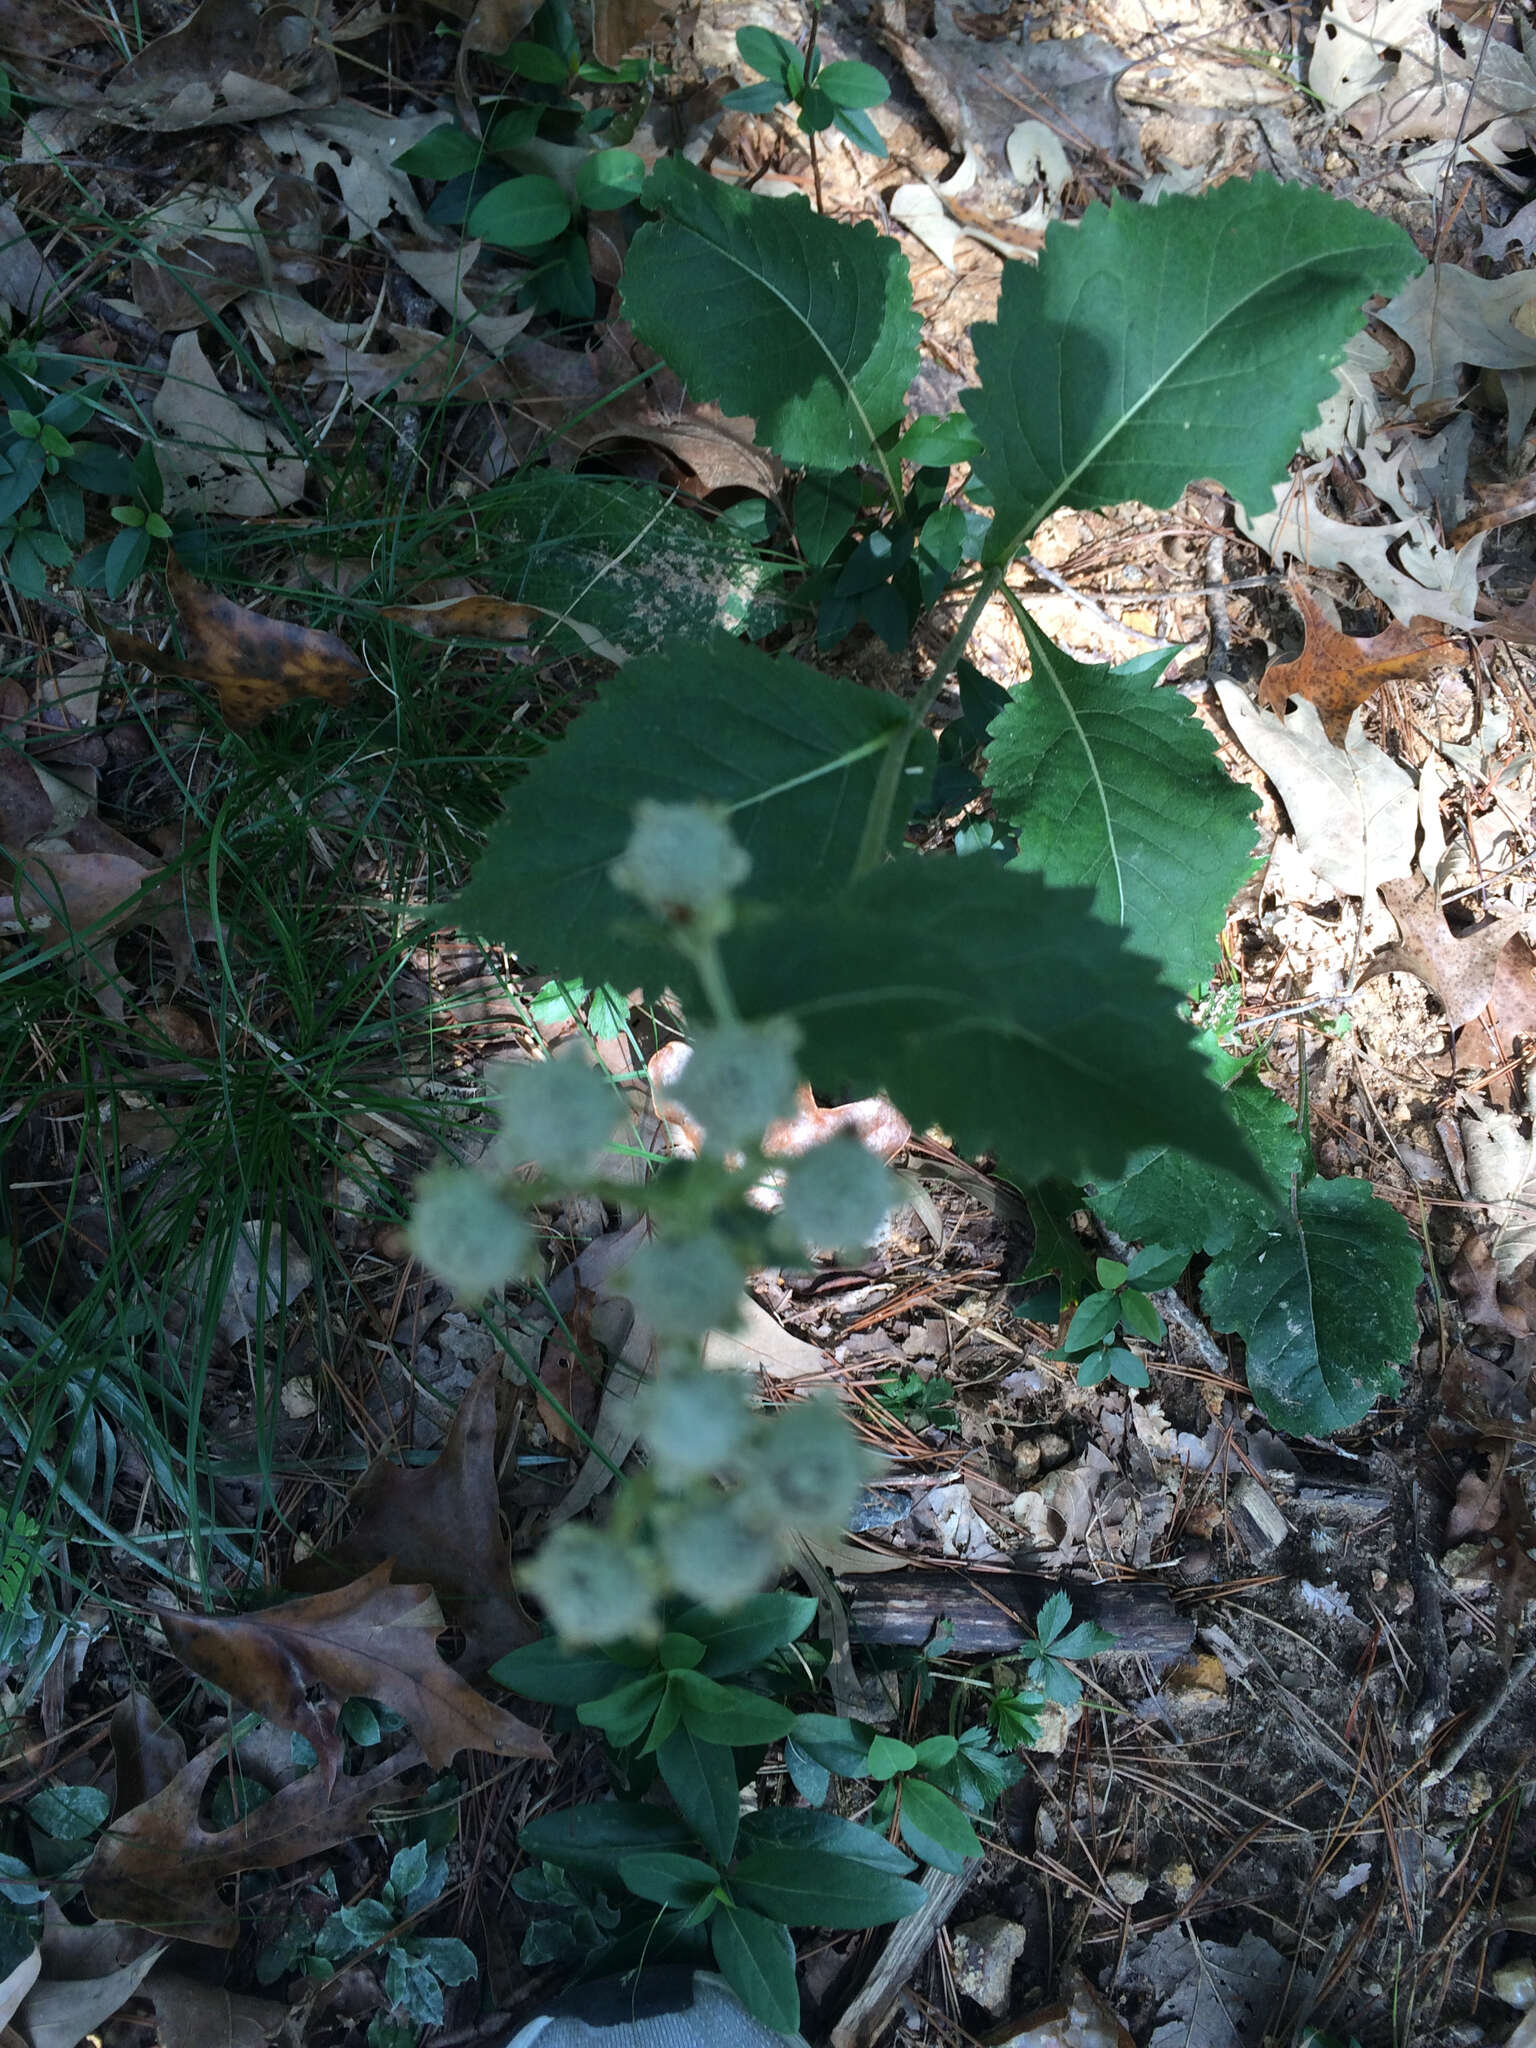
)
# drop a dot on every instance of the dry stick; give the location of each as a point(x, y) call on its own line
point(1435, 1686)
point(1177, 1312)
point(1482, 1721)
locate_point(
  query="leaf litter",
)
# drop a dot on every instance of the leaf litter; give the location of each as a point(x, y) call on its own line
point(1120, 1486)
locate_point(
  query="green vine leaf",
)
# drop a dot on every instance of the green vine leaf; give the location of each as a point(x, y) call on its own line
point(766, 308)
point(1154, 345)
point(792, 754)
point(1114, 785)
point(988, 1004)
point(1324, 1302)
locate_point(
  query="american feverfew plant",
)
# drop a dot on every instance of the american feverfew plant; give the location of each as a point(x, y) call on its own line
point(731, 827)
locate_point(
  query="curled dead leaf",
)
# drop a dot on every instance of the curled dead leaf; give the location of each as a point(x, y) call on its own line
point(1337, 672)
point(256, 664)
point(617, 25)
point(366, 1639)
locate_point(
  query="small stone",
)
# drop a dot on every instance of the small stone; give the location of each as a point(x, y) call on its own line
point(1026, 1459)
point(1053, 1447)
point(985, 1953)
point(298, 1398)
point(1127, 1887)
point(1056, 1724)
point(1033, 1516)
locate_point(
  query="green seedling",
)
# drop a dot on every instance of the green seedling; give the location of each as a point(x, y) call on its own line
point(1120, 1305)
point(835, 95)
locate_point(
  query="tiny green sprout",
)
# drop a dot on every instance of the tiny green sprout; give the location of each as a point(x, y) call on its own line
point(1118, 1304)
point(1053, 1643)
point(827, 95)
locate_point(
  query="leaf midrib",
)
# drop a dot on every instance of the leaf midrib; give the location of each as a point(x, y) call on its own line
point(773, 290)
point(1050, 504)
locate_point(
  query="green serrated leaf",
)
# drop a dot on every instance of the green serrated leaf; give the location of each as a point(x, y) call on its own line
point(768, 309)
point(1114, 785)
point(1165, 1194)
point(1057, 1250)
point(1324, 1303)
point(1151, 346)
point(623, 562)
point(983, 1002)
point(794, 754)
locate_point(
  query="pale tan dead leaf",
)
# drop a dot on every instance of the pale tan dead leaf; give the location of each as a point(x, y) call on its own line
point(351, 149)
point(158, 1868)
point(255, 664)
point(761, 1344)
point(445, 275)
point(87, 1976)
point(15, 1986)
point(490, 25)
point(1353, 811)
point(1337, 672)
point(214, 456)
point(367, 1639)
point(877, 1124)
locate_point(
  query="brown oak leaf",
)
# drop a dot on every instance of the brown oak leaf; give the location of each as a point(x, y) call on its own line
point(1490, 1041)
point(1457, 968)
point(1338, 672)
point(256, 664)
point(365, 1639)
point(442, 1524)
point(158, 1867)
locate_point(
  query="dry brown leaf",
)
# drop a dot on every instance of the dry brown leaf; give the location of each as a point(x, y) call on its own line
point(1495, 505)
point(195, 2015)
point(879, 1127)
point(464, 618)
point(617, 25)
point(76, 895)
point(231, 60)
point(158, 1867)
point(145, 1753)
point(490, 24)
point(1489, 1041)
point(441, 1523)
point(1475, 1282)
point(1338, 672)
point(367, 1639)
point(26, 808)
point(82, 1982)
point(1458, 969)
point(256, 664)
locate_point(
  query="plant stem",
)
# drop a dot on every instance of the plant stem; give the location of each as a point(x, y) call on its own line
point(883, 802)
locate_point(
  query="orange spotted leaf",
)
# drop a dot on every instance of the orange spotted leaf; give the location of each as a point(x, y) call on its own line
point(1338, 672)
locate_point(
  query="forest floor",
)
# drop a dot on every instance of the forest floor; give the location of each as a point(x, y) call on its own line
point(212, 1113)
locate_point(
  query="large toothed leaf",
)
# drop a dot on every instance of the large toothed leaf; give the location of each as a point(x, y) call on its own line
point(803, 324)
point(1114, 786)
point(793, 753)
point(1323, 1299)
point(983, 1002)
point(1151, 346)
